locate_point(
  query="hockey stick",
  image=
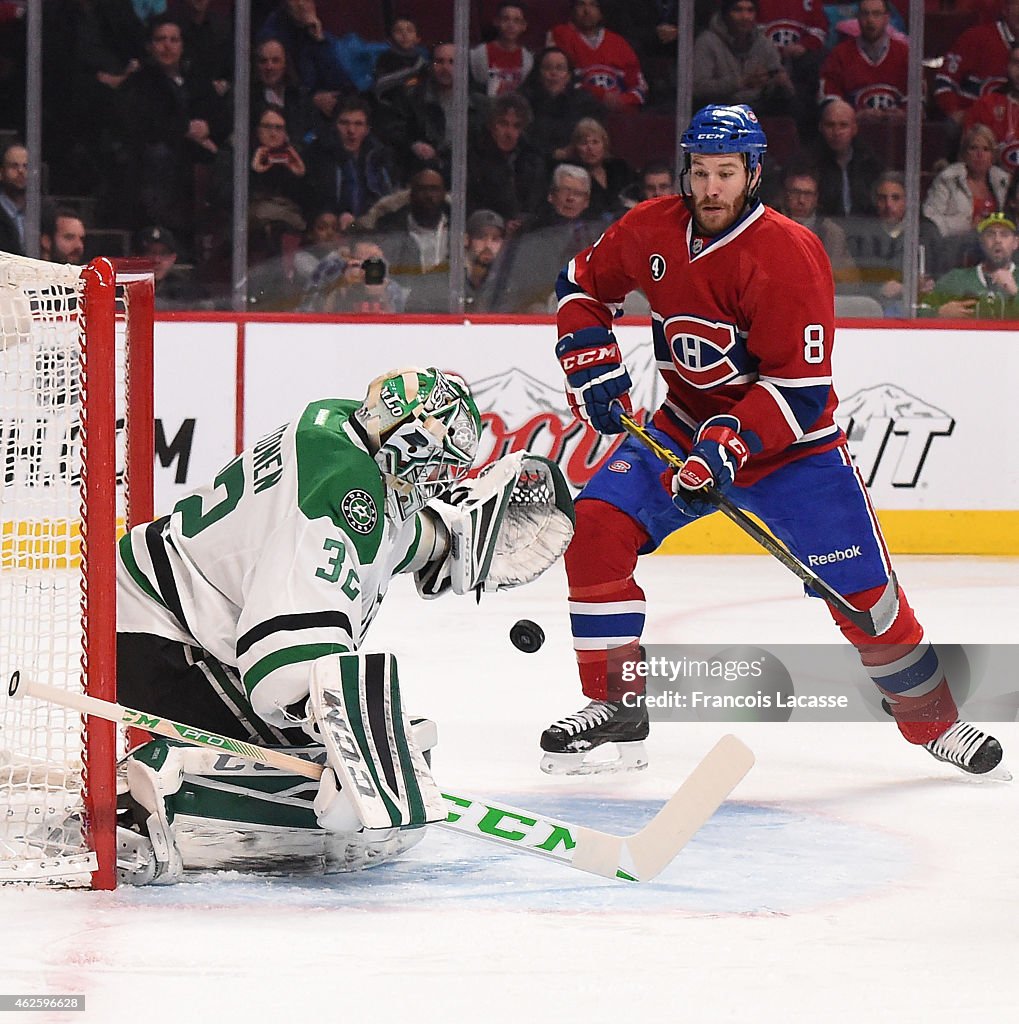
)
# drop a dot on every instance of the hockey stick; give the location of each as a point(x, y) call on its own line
point(873, 621)
point(634, 858)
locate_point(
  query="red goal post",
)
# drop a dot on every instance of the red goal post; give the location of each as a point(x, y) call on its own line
point(76, 441)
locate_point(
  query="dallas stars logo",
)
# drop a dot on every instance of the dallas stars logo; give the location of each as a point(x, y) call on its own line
point(359, 509)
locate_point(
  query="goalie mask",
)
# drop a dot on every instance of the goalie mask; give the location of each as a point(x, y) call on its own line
point(422, 428)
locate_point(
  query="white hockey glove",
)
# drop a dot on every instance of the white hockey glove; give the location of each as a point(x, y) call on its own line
point(506, 527)
point(334, 808)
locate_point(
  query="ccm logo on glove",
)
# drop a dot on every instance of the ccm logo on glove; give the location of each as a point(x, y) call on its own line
point(588, 357)
point(701, 468)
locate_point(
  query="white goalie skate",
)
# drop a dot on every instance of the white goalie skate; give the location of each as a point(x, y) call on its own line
point(606, 736)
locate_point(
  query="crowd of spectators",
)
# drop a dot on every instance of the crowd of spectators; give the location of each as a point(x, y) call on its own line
point(570, 123)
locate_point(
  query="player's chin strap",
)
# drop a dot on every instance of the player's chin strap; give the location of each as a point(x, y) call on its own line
point(506, 527)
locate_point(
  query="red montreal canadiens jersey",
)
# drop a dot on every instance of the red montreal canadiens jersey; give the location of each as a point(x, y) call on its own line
point(977, 64)
point(1001, 114)
point(611, 66)
point(742, 326)
point(849, 74)
point(794, 21)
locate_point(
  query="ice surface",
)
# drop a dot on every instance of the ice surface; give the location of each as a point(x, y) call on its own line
point(850, 878)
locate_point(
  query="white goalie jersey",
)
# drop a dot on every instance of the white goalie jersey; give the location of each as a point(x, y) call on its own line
point(282, 560)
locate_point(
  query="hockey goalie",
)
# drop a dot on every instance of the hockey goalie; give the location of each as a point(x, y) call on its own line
point(245, 610)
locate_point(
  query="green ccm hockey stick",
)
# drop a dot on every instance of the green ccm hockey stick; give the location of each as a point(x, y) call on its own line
point(634, 858)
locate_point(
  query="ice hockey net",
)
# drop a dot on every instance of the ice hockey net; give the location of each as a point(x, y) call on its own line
point(76, 457)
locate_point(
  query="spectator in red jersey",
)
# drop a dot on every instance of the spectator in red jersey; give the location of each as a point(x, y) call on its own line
point(977, 63)
point(870, 72)
point(501, 65)
point(965, 193)
point(735, 63)
point(795, 27)
point(606, 63)
point(798, 29)
point(999, 110)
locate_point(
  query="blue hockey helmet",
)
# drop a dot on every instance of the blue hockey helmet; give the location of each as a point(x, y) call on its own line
point(718, 129)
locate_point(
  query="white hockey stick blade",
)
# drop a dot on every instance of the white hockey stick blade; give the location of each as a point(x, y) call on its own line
point(655, 846)
point(634, 858)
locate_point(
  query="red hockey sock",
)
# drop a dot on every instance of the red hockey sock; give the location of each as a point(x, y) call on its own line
point(904, 668)
point(606, 604)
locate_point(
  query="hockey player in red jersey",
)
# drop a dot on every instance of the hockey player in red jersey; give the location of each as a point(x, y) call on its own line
point(742, 324)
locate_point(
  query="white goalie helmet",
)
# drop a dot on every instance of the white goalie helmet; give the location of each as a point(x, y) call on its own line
point(422, 427)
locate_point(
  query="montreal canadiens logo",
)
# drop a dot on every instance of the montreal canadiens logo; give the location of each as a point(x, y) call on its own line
point(701, 350)
point(359, 510)
point(658, 266)
point(619, 466)
point(879, 97)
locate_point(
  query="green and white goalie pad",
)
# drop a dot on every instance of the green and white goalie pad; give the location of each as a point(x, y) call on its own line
point(506, 527)
point(380, 777)
point(187, 809)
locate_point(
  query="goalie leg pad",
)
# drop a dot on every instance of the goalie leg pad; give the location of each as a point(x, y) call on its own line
point(506, 527)
point(230, 814)
point(355, 701)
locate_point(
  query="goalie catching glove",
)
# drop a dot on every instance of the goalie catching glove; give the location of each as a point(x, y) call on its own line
point(505, 528)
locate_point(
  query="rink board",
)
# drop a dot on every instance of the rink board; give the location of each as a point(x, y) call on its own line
point(921, 411)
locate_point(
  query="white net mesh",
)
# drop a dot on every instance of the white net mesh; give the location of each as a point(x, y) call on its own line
point(40, 570)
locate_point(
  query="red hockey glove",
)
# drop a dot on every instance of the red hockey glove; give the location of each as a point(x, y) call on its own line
point(718, 453)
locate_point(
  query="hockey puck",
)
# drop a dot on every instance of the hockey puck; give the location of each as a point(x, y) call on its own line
point(527, 636)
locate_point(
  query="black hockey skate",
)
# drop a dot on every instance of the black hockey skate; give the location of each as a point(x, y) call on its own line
point(970, 750)
point(566, 744)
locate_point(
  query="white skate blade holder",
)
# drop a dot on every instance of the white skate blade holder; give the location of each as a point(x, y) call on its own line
point(629, 757)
